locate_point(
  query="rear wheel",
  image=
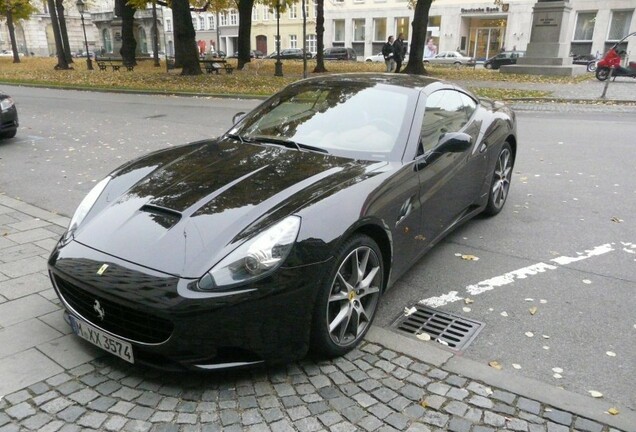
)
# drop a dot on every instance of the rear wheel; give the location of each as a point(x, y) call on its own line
point(591, 66)
point(602, 73)
point(9, 134)
point(501, 178)
point(349, 298)
point(488, 66)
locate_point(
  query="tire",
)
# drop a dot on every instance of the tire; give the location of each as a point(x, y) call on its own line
point(602, 73)
point(369, 61)
point(348, 299)
point(591, 66)
point(501, 177)
point(488, 65)
point(9, 134)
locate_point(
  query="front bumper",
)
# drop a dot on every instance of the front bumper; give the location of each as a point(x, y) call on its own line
point(9, 120)
point(173, 327)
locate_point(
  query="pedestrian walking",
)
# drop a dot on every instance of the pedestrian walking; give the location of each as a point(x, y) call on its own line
point(399, 52)
point(387, 52)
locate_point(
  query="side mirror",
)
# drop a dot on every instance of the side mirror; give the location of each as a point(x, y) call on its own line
point(454, 142)
point(238, 117)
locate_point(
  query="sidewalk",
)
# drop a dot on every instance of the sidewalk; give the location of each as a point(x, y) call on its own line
point(52, 381)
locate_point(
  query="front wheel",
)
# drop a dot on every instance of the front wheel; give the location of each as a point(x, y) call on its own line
point(501, 178)
point(348, 300)
point(591, 66)
point(9, 134)
point(488, 66)
point(602, 73)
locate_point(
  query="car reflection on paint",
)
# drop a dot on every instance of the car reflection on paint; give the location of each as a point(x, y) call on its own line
point(281, 236)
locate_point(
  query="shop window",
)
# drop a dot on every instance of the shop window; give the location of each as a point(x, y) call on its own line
point(402, 26)
point(338, 30)
point(584, 29)
point(619, 25)
point(358, 30)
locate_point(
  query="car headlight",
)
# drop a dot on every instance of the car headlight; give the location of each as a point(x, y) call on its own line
point(6, 103)
point(255, 258)
point(84, 207)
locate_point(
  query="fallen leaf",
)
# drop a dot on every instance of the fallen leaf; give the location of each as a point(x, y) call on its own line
point(409, 311)
point(595, 394)
point(545, 336)
point(495, 364)
point(423, 403)
point(611, 353)
point(557, 376)
point(441, 341)
point(615, 219)
point(529, 300)
point(529, 334)
point(533, 310)
point(545, 347)
point(587, 281)
point(469, 301)
point(424, 336)
point(557, 370)
point(613, 411)
point(504, 314)
point(516, 366)
point(542, 301)
point(466, 309)
point(470, 258)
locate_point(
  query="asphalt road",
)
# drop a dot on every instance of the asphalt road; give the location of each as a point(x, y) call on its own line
point(565, 243)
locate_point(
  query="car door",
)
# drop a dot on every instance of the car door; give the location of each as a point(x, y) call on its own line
point(450, 181)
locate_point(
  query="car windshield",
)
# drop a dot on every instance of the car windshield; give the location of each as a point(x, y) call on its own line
point(351, 119)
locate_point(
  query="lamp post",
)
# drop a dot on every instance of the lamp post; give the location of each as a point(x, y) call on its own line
point(81, 7)
point(278, 66)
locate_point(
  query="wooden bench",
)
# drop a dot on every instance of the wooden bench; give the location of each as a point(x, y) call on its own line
point(215, 65)
point(114, 64)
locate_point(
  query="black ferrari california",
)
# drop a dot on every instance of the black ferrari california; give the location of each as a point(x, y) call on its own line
point(280, 236)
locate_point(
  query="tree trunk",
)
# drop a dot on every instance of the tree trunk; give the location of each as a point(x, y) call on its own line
point(59, 47)
point(11, 27)
point(418, 38)
point(155, 35)
point(128, 42)
point(320, 35)
point(244, 31)
point(186, 51)
point(63, 32)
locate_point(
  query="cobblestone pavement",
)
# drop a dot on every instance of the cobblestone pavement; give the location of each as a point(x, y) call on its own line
point(370, 389)
point(52, 381)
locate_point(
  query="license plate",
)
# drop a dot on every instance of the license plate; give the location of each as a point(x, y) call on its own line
point(102, 339)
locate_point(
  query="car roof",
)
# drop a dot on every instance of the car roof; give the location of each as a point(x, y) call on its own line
point(415, 82)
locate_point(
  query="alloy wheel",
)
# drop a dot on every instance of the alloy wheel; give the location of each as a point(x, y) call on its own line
point(353, 297)
point(501, 181)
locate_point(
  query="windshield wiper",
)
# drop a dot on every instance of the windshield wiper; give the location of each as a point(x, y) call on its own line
point(284, 142)
point(236, 137)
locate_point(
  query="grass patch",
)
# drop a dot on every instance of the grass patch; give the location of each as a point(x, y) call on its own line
point(257, 79)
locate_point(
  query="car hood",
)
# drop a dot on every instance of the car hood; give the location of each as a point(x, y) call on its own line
point(189, 207)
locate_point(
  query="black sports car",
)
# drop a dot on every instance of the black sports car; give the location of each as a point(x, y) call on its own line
point(282, 234)
point(8, 117)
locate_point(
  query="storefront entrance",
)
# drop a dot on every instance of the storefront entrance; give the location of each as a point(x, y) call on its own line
point(486, 37)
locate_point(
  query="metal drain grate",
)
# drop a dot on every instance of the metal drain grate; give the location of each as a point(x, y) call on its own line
point(451, 330)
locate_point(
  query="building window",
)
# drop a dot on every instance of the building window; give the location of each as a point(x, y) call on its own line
point(316, 9)
point(619, 26)
point(201, 23)
point(338, 1)
point(211, 23)
point(379, 29)
point(265, 13)
point(584, 26)
point(293, 11)
point(307, 9)
point(255, 14)
point(402, 26)
point(223, 19)
point(108, 44)
point(312, 44)
point(168, 25)
point(194, 23)
point(233, 17)
point(293, 41)
point(358, 30)
point(338, 30)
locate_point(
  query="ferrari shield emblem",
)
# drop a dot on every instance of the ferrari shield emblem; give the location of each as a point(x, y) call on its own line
point(102, 269)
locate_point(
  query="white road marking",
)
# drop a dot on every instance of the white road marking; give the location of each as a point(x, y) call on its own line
point(522, 273)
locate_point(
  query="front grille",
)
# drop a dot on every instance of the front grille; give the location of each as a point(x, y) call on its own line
point(451, 330)
point(119, 320)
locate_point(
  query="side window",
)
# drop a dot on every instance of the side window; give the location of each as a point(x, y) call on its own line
point(445, 112)
point(469, 105)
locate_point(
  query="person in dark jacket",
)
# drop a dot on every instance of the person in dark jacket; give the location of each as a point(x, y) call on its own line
point(387, 52)
point(399, 52)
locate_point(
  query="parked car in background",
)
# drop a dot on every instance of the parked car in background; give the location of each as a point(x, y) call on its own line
point(8, 117)
point(503, 58)
point(283, 233)
point(289, 54)
point(340, 53)
point(587, 60)
point(8, 53)
point(217, 54)
point(379, 58)
point(450, 58)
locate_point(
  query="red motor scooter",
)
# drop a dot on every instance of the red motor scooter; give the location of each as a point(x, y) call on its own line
point(612, 60)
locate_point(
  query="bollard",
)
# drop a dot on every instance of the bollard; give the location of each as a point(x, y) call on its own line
point(607, 81)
